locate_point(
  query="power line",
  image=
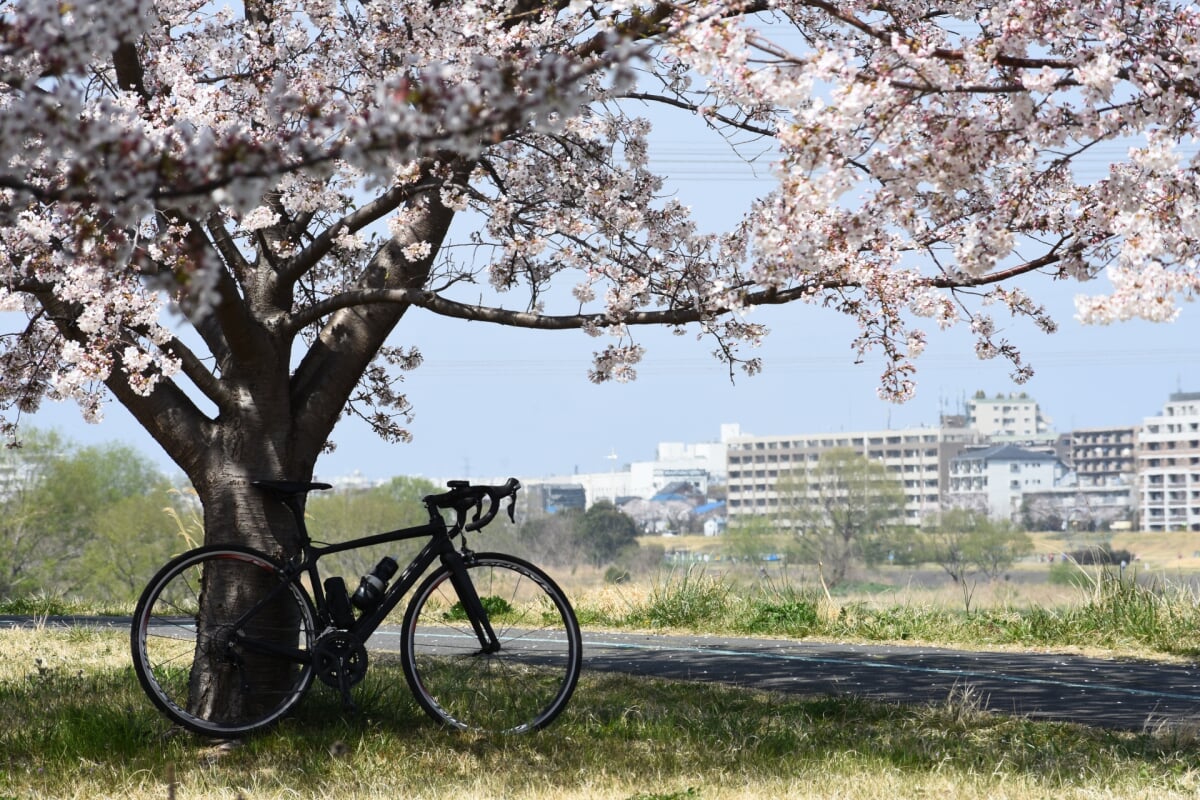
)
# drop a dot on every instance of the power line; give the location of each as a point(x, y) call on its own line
point(811, 363)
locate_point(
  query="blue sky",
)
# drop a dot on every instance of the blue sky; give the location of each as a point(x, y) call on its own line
point(491, 402)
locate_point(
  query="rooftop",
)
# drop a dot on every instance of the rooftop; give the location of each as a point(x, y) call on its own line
point(1007, 452)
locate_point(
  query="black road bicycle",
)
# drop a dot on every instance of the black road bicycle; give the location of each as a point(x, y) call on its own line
point(227, 640)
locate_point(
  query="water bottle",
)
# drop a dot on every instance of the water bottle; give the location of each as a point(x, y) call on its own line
point(370, 591)
point(338, 600)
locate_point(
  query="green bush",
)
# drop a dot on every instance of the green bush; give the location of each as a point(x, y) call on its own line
point(493, 605)
point(615, 574)
point(796, 617)
point(692, 599)
point(1064, 573)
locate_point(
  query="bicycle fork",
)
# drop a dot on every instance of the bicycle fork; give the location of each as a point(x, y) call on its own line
point(469, 597)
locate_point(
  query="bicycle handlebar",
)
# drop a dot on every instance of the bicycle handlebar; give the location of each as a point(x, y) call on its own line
point(462, 497)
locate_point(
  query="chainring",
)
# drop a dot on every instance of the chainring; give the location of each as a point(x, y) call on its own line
point(337, 653)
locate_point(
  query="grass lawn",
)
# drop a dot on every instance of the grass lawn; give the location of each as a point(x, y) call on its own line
point(74, 724)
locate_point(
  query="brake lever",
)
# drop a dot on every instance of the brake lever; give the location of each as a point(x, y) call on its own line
point(512, 506)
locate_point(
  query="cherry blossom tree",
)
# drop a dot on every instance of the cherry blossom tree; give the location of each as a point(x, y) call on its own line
point(219, 212)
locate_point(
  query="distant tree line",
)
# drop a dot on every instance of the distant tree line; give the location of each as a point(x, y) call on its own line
point(89, 521)
point(96, 522)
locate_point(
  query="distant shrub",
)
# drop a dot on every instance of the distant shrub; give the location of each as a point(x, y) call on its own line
point(615, 574)
point(1100, 555)
point(1064, 573)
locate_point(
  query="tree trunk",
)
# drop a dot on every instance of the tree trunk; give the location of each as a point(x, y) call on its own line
point(274, 412)
point(235, 512)
point(228, 690)
point(255, 443)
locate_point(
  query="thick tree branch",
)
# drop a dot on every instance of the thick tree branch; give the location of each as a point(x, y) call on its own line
point(432, 301)
point(197, 372)
point(353, 335)
point(353, 222)
point(128, 66)
point(226, 246)
point(224, 326)
point(167, 413)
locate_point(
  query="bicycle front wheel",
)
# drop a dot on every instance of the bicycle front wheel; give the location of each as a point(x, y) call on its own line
point(522, 686)
point(221, 641)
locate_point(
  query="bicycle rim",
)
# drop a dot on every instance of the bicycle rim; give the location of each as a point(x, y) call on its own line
point(523, 686)
point(191, 662)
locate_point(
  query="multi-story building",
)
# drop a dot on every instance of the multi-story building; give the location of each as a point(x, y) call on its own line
point(1104, 456)
point(1168, 466)
point(17, 469)
point(996, 479)
point(1009, 417)
point(698, 465)
point(917, 457)
point(1103, 490)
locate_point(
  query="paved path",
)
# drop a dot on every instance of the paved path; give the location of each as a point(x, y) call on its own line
point(1132, 695)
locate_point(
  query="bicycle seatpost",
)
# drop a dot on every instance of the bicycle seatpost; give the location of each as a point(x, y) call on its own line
point(291, 494)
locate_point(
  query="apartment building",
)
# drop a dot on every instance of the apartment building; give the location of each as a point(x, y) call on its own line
point(17, 468)
point(699, 465)
point(1009, 417)
point(1168, 466)
point(917, 457)
point(995, 479)
point(1104, 456)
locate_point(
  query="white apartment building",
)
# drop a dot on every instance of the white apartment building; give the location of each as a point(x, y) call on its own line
point(915, 456)
point(1012, 416)
point(996, 479)
point(16, 471)
point(1168, 458)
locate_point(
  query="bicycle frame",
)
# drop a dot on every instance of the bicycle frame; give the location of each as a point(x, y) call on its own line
point(440, 546)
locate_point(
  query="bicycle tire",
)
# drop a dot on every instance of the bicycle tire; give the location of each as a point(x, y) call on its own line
point(209, 682)
point(522, 687)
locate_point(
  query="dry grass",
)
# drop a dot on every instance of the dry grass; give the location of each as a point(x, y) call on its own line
point(1026, 588)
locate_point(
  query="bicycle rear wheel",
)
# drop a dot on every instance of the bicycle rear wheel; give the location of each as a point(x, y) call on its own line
point(221, 641)
point(523, 686)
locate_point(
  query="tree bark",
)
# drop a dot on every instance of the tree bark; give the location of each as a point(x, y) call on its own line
point(247, 685)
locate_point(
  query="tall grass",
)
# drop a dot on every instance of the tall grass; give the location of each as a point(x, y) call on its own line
point(689, 599)
point(1104, 609)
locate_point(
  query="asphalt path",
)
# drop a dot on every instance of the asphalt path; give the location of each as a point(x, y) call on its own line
point(1112, 693)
